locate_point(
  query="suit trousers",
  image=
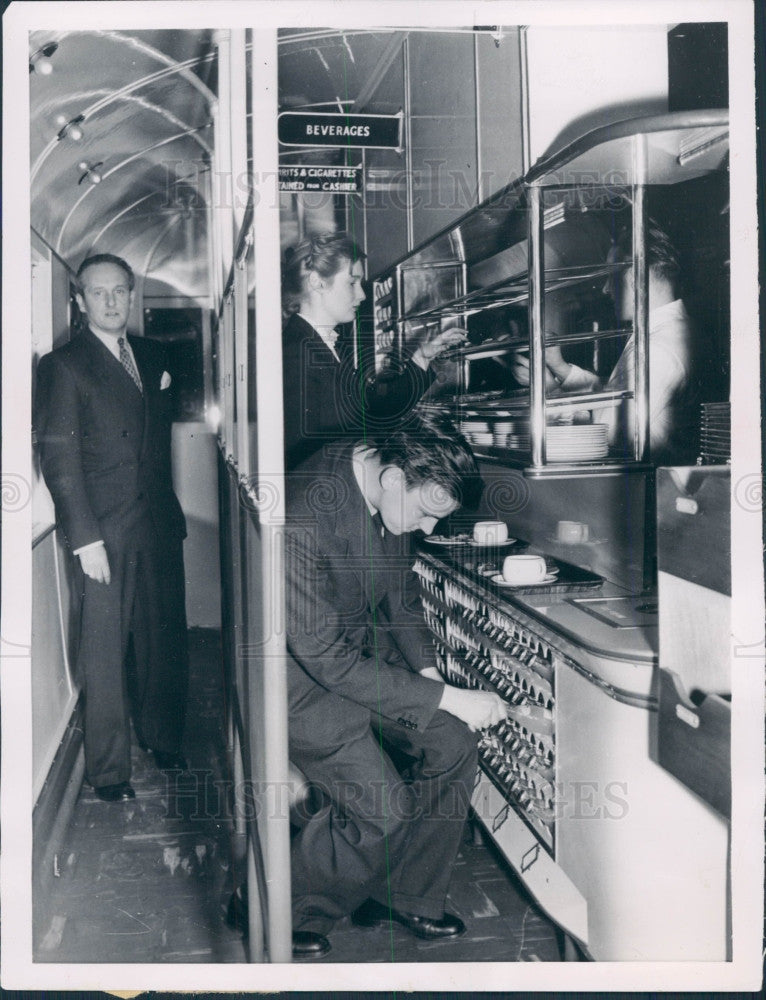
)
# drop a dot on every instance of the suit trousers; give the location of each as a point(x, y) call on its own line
point(376, 834)
point(143, 602)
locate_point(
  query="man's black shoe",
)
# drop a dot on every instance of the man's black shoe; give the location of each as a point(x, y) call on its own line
point(374, 914)
point(169, 761)
point(122, 792)
point(306, 944)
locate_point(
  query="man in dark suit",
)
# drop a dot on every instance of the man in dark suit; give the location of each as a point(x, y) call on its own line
point(363, 678)
point(103, 429)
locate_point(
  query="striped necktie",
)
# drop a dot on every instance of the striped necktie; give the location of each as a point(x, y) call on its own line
point(127, 363)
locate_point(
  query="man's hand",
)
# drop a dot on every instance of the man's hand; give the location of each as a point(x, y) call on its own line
point(556, 368)
point(431, 673)
point(477, 709)
point(95, 564)
point(436, 345)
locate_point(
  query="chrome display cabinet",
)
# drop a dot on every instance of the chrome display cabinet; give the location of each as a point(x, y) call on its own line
point(525, 270)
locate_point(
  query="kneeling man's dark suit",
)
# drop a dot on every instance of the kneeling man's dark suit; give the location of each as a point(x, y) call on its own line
point(357, 639)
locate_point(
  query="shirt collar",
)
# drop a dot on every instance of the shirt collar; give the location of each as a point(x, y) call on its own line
point(329, 337)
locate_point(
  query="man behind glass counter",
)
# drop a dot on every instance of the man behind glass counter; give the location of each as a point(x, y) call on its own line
point(673, 389)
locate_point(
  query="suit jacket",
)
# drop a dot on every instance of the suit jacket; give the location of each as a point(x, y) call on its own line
point(104, 446)
point(325, 400)
point(355, 624)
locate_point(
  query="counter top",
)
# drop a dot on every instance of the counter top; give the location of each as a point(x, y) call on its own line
point(606, 620)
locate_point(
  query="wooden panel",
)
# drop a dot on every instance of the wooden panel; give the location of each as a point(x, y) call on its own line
point(694, 742)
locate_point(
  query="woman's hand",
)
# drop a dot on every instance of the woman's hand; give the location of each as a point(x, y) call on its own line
point(438, 344)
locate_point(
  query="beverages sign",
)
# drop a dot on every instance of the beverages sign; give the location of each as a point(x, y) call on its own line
point(336, 180)
point(304, 128)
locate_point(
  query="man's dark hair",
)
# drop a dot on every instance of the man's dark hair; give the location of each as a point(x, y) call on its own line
point(428, 448)
point(661, 255)
point(324, 253)
point(105, 258)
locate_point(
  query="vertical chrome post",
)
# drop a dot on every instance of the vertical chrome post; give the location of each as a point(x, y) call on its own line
point(640, 301)
point(409, 179)
point(222, 185)
point(536, 326)
point(268, 669)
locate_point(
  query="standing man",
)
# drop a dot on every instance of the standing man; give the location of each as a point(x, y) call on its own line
point(673, 377)
point(103, 428)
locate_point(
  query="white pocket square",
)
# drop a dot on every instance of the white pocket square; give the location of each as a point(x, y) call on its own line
point(165, 380)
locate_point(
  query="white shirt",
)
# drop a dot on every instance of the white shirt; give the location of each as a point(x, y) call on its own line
point(329, 336)
point(672, 392)
point(110, 342)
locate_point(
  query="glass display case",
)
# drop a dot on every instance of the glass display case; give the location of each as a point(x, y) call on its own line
point(533, 269)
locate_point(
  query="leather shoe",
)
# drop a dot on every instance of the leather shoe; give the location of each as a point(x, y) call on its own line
point(306, 944)
point(121, 792)
point(373, 914)
point(169, 761)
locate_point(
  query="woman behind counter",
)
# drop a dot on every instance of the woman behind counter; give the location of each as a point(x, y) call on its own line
point(327, 395)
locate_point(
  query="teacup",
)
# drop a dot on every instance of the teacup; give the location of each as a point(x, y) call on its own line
point(572, 532)
point(524, 569)
point(490, 532)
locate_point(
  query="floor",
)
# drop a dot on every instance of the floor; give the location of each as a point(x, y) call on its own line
point(149, 880)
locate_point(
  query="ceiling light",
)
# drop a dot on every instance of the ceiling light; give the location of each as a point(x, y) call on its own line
point(90, 172)
point(40, 61)
point(70, 129)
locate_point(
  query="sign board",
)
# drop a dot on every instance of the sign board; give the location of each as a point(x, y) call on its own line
point(304, 128)
point(335, 180)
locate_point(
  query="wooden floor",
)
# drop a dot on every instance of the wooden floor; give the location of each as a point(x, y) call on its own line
point(149, 880)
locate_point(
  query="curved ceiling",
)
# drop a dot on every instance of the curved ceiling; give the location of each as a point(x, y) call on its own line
point(142, 101)
point(134, 111)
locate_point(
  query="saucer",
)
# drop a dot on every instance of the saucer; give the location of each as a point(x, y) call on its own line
point(500, 580)
point(448, 539)
point(490, 545)
point(560, 541)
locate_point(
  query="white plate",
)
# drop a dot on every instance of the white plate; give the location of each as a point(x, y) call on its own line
point(560, 541)
point(491, 545)
point(440, 540)
point(452, 540)
point(500, 580)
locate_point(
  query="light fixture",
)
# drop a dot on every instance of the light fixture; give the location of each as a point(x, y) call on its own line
point(40, 61)
point(70, 129)
point(90, 171)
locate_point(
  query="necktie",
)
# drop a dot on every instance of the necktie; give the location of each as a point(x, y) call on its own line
point(127, 363)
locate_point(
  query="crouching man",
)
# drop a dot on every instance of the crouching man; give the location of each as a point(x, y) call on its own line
point(363, 686)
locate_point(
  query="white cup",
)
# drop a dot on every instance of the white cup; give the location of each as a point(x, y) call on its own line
point(490, 532)
point(524, 569)
point(571, 532)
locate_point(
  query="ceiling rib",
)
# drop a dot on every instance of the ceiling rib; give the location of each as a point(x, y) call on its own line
point(108, 173)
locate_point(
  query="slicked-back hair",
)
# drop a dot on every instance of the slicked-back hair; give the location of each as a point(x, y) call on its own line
point(324, 253)
point(428, 448)
point(105, 258)
point(661, 255)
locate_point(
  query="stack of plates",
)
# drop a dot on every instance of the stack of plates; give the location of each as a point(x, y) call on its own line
point(576, 442)
point(715, 433)
point(483, 438)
